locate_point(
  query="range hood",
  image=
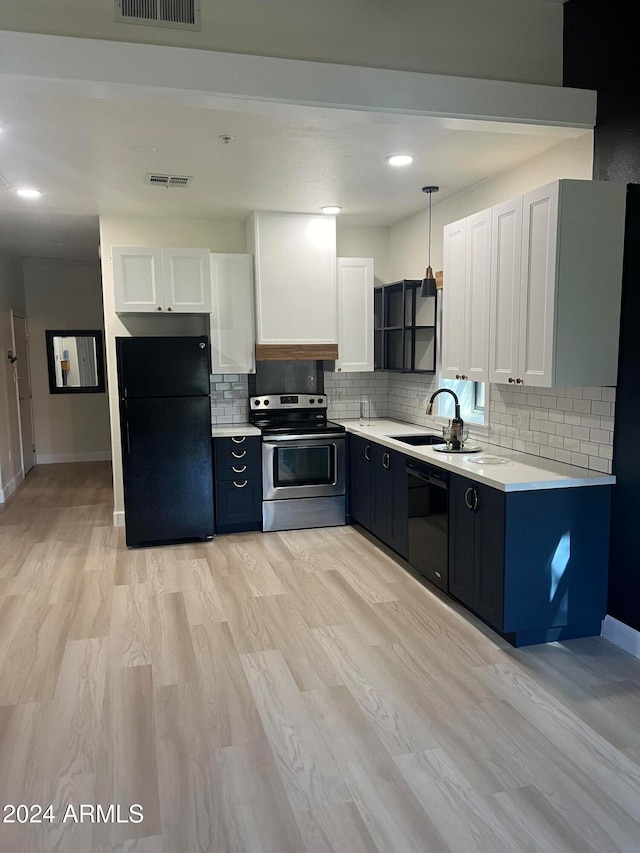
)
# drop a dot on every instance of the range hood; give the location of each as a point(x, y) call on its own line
point(296, 285)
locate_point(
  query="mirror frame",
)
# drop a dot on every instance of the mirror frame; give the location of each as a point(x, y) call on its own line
point(96, 334)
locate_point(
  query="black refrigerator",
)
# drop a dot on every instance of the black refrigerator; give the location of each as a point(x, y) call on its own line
point(165, 425)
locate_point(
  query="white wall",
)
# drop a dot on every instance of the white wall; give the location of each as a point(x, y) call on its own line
point(59, 295)
point(408, 239)
point(11, 297)
point(518, 40)
point(365, 242)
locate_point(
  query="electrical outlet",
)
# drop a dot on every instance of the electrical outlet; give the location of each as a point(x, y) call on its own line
point(522, 420)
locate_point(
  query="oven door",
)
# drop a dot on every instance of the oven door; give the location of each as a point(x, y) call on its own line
point(303, 466)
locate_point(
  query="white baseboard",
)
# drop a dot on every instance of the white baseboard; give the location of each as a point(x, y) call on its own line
point(118, 518)
point(11, 486)
point(91, 456)
point(621, 635)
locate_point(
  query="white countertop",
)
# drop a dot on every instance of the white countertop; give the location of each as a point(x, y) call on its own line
point(231, 430)
point(520, 473)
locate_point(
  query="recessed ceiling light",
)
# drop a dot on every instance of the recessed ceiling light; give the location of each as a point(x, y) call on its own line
point(399, 159)
point(331, 208)
point(28, 192)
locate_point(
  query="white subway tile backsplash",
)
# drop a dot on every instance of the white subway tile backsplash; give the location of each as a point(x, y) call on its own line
point(602, 408)
point(581, 405)
point(573, 425)
point(579, 459)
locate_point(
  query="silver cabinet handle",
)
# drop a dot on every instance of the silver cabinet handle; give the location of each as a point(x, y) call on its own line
point(367, 453)
point(238, 455)
point(386, 459)
point(239, 470)
point(475, 500)
point(466, 498)
point(240, 485)
point(238, 440)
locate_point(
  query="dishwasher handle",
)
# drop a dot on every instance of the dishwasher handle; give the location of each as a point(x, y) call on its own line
point(433, 476)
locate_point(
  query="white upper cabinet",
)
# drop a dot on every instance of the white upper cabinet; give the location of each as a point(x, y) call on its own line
point(232, 326)
point(137, 279)
point(465, 319)
point(295, 278)
point(355, 315)
point(556, 284)
point(506, 255)
point(187, 284)
point(156, 280)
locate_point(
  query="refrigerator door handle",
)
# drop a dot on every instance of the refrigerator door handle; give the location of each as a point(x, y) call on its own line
point(126, 426)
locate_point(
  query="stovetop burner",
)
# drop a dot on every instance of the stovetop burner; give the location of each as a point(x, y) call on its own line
point(291, 414)
point(298, 428)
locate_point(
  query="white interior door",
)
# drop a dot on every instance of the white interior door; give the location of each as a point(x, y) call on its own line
point(23, 390)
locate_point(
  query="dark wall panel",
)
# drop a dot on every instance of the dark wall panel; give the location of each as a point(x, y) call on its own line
point(601, 53)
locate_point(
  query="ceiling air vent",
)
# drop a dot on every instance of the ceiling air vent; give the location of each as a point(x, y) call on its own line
point(183, 14)
point(169, 181)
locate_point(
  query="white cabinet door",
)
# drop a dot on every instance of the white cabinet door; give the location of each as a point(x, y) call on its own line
point(504, 313)
point(295, 265)
point(466, 278)
point(477, 288)
point(187, 283)
point(232, 327)
point(538, 290)
point(355, 315)
point(137, 279)
point(453, 299)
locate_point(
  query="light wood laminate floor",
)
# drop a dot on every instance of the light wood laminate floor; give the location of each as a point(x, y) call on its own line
point(294, 692)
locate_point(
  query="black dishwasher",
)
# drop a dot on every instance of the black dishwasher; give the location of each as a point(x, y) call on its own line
point(428, 521)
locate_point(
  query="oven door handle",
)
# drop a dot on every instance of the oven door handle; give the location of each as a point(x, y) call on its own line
point(325, 436)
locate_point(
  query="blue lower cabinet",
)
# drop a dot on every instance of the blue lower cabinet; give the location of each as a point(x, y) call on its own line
point(238, 484)
point(378, 492)
point(238, 505)
point(533, 565)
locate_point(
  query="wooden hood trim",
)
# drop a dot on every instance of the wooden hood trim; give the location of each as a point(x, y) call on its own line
point(279, 352)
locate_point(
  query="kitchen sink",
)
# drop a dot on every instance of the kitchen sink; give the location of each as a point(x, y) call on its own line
point(421, 440)
point(418, 440)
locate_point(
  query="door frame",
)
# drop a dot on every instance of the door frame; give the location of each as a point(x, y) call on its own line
point(14, 315)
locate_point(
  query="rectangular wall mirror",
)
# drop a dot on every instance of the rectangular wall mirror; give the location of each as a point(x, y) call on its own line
point(75, 359)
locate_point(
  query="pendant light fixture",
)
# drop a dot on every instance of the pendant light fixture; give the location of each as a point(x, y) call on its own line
point(429, 281)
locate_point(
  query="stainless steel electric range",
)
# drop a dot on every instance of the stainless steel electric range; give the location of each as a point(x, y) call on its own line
point(303, 462)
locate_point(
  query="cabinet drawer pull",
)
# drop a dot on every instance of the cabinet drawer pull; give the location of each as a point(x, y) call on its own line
point(238, 440)
point(367, 453)
point(518, 381)
point(239, 470)
point(240, 485)
point(386, 461)
point(169, 309)
point(511, 379)
point(466, 498)
point(238, 455)
point(475, 500)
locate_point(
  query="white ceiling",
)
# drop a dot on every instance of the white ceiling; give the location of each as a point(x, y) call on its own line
point(89, 155)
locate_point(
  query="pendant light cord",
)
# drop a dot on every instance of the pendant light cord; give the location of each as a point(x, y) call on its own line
point(430, 197)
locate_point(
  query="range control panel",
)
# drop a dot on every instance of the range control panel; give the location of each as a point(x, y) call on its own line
point(288, 401)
